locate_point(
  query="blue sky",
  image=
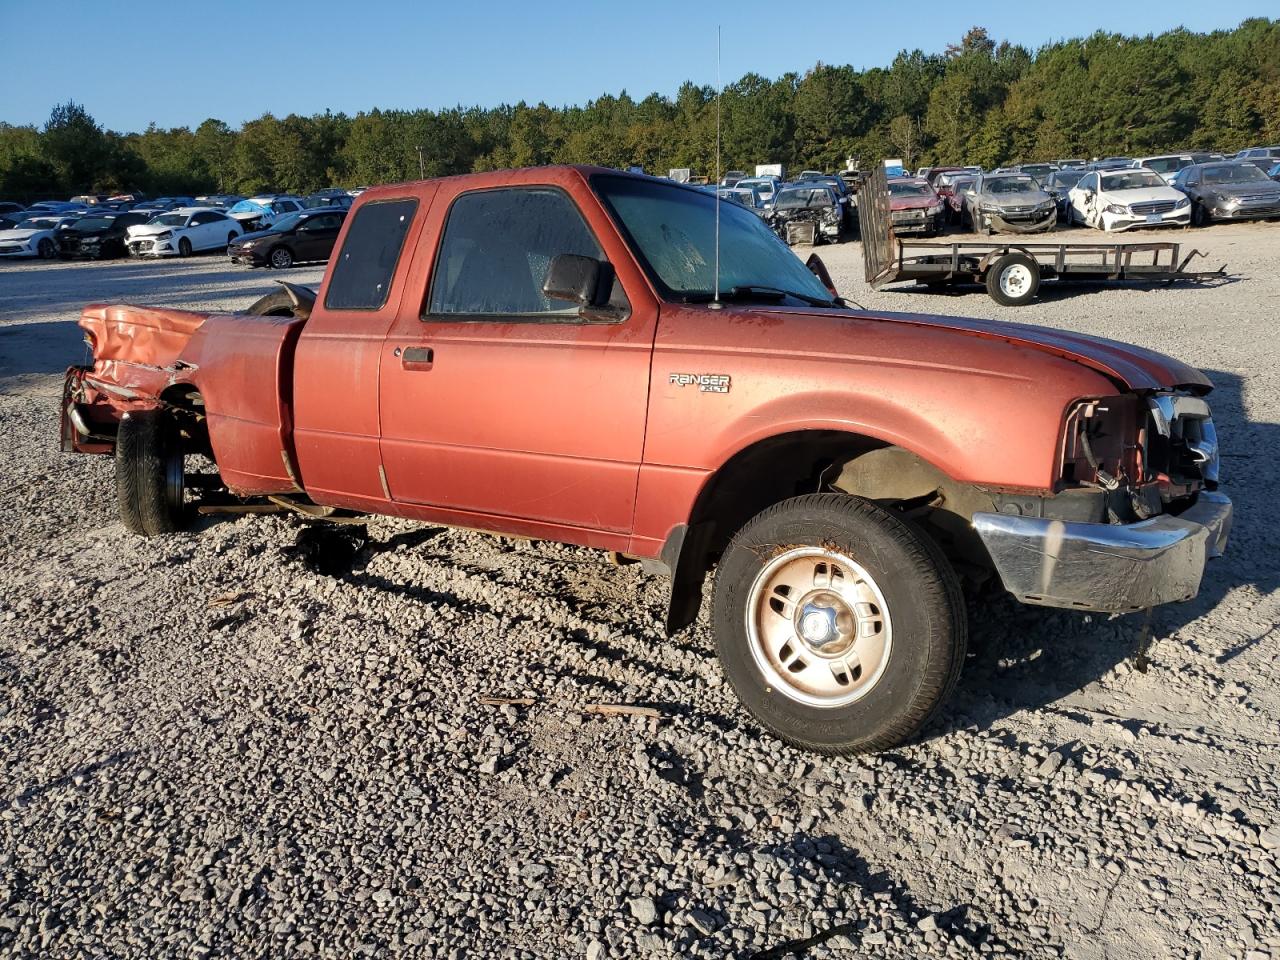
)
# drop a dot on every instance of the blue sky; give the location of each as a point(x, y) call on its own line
point(178, 62)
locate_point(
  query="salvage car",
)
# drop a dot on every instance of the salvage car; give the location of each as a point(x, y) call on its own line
point(263, 210)
point(807, 211)
point(294, 238)
point(840, 470)
point(1059, 186)
point(182, 232)
point(915, 207)
point(1009, 201)
point(99, 234)
point(766, 187)
point(961, 184)
point(1167, 165)
point(1124, 199)
point(1233, 190)
point(34, 237)
point(162, 205)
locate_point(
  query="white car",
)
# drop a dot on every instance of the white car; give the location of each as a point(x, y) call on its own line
point(33, 238)
point(260, 212)
point(182, 232)
point(1124, 199)
point(1167, 165)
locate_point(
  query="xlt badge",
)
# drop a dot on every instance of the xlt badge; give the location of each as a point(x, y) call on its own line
point(707, 382)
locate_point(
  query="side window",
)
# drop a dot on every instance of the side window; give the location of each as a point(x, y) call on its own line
point(327, 221)
point(497, 248)
point(363, 271)
point(202, 218)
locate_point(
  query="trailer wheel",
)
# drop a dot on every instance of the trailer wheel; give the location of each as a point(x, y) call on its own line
point(1013, 280)
point(150, 478)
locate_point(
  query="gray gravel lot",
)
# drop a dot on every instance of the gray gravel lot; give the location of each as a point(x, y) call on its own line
point(210, 749)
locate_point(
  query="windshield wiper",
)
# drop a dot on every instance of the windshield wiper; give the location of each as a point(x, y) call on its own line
point(755, 291)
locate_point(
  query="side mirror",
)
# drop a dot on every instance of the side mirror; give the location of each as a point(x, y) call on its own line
point(581, 280)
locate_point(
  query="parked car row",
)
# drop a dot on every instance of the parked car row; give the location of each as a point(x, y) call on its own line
point(267, 230)
point(1110, 194)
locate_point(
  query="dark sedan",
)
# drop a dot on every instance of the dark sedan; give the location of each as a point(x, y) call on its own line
point(1231, 190)
point(1058, 184)
point(98, 235)
point(294, 238)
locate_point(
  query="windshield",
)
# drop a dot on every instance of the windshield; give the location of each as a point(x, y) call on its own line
point(170, 219)
point(1038, 169)
point(39, 224)
point(287, 222)
point(1067, 178)
point(1233, 173)
point(1009, 185)
point(900, 188)
point(248, 206)
point(94, 223)
point(1137, 180)
point(1167, 164)
point(803, 197)
point(672, 231)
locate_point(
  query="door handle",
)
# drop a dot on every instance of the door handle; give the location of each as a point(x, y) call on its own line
point(416, 358)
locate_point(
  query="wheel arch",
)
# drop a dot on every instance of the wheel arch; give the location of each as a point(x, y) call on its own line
point(791, 463)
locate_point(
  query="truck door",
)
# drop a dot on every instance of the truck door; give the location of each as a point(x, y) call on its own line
point(497, 402)
point(335, 367)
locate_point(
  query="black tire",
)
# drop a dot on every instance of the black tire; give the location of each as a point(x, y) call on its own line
point(1199, 216)
point(184, 247)
point(925, 611)
point(1020, 267)
point(46, 249)
point(149, 474)
point(231, 238)
point(277, 304)
point(281, 258)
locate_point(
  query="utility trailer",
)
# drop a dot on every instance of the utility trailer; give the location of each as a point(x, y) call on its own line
point(1010, 269)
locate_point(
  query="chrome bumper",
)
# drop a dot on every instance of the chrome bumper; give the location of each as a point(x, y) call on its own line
point(1112, 568)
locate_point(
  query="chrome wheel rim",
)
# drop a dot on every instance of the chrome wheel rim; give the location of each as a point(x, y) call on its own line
point(818, 627)
point(280, 258)
point(1015, 280)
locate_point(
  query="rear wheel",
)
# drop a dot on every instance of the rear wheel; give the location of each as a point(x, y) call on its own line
point(1013, 279)
point(184, 247)
point(838, 625)
point(281, 258)
point(150, 477)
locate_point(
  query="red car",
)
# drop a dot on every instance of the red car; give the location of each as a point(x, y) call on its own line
point(915, 207)
point(550, 353)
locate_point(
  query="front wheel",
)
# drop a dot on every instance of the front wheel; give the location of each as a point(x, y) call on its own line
point(281, 258)
point(839, 626)
point(150, 474)
point(46, 249)
point(1013, 280)
point(184, 247)
point(1199, 217)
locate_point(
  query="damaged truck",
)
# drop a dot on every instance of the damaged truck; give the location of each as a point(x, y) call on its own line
point(551, 353)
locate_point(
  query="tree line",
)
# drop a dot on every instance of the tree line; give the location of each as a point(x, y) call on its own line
point(978, 101)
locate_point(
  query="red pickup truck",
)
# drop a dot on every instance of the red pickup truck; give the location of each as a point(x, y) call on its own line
point(547, 353)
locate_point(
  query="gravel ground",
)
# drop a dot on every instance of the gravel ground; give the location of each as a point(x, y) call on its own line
point(211, 748)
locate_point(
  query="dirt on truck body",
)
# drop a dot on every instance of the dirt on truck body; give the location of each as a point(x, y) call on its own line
point(549, 353)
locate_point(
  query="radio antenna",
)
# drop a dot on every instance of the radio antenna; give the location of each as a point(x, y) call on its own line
point(715, 192)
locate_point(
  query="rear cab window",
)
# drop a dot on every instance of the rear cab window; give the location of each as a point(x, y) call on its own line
point(363, 271)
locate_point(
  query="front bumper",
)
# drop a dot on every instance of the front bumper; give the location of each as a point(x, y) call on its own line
point(251, 256)
point(1111, 568)
point(1119, 222)
point(1041, 222)
point(1246, 210)
point(151, 247)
